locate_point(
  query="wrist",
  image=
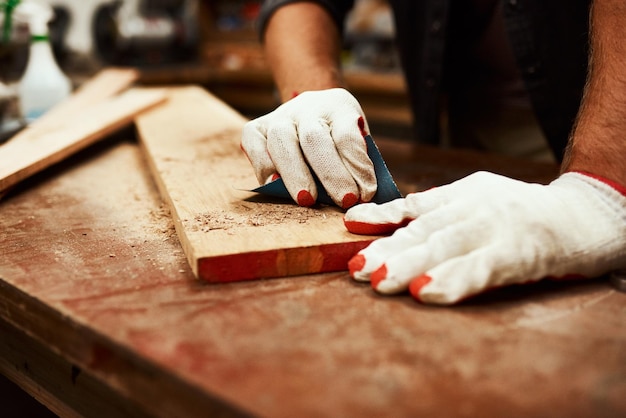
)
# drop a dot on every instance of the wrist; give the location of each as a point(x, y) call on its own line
point(614, 185)
point(601, 159)
point(290, 89)
point(606, 170)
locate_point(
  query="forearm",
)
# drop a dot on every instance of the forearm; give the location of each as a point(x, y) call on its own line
point(302, 45)
point(598, 142)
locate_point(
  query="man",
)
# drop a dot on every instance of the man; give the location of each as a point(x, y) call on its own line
point(485, 230)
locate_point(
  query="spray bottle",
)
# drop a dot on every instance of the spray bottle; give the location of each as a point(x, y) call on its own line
point(43, 84)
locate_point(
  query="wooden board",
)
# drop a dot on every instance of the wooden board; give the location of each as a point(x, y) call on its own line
point(228, 234)
point(106, 83)
point(41, 147)
point(92, 270)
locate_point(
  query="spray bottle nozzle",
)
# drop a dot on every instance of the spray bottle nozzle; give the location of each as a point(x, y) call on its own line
point(37, 15)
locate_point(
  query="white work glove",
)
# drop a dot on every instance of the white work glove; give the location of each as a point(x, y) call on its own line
point(319, 130)
point(487, 231)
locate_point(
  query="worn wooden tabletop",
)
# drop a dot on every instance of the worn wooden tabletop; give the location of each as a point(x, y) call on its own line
point(101, 316)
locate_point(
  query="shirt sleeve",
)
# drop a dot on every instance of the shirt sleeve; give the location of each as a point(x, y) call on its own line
point(338, 10)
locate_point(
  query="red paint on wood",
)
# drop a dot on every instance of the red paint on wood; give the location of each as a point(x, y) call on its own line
point(279, 262)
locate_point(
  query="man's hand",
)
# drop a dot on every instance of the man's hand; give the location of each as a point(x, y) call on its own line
point(487, 231)
point(322, 131)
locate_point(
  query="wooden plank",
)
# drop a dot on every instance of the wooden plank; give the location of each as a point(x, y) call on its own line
point(106, 203)
point(91, 268)
point(28, 154)
point(65, 389)
point(228, 234)
point(106, 83)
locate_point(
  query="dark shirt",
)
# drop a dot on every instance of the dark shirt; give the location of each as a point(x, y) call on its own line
point(548, 40)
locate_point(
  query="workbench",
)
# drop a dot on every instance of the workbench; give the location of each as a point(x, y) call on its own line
point(101, 316)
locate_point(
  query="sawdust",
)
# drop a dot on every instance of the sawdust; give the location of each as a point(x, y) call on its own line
point(253, 215)
point(162, 219)
point(217, 146)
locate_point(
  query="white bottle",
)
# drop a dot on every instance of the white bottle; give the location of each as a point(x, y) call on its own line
point(43, 84)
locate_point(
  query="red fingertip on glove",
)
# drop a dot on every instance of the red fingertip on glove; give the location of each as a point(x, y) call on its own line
point(361, 123)
point(305, 198)
point(364, 228)
point(349, 200)
point(356, 264)
point(378, 276)
point(417, 284)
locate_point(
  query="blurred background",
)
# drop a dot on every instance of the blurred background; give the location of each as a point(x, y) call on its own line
point(206, 42)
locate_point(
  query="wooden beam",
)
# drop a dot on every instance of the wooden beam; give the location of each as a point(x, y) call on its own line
point(53, 141)
point(62, 386)
point(227, 232)
point(106, 83)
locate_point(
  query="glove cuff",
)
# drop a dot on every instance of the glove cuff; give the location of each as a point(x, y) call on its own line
point(621, 189)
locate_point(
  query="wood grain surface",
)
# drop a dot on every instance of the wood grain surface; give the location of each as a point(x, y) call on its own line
point(100, 305)
point(89, 115)
point(228, 233)
point(104, 84)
